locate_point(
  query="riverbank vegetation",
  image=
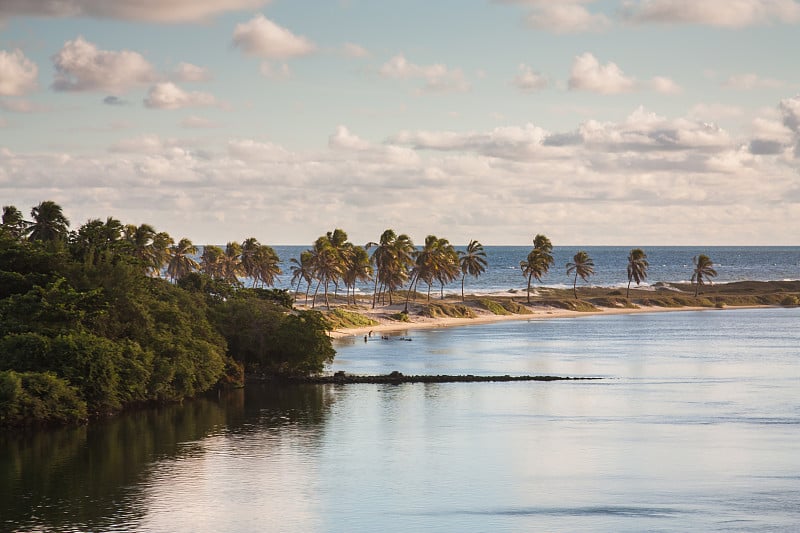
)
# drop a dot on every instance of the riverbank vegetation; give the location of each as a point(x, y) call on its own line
point(89, 324)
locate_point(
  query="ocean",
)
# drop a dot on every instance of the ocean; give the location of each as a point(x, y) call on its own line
point(667, 264)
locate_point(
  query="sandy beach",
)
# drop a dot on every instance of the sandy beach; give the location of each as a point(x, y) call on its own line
point(484, 317)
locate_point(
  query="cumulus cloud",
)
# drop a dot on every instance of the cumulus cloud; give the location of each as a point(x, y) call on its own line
point(169, 96)
point(190, 73)
point(263, 38)
point(529, 81)
point(81, 66)
point(588, 74)
point(721, 13)
point(18, 74)
point(790, 112)
point(745, 82)
point(663, 85)
point(437, 77)
point(145, 10)
point(566, 17)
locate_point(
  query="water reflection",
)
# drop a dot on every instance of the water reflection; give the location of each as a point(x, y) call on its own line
point(101, 477)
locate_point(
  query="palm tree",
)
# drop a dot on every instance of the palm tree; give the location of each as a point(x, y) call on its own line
point(211, 262)
point(472, 262)
point(302, 270)
point(13, 221)
point(538, 262)
point(637, 268)
point(703, 270)
point(447, 267)
point(232, 263)
point(357, 268)
point(393, 260)
point(181, 261)
point(159, 252)
point(267, 266)
point(249, 249)
point(96, 239)
point(581, 265)
point(49, 223)
point(326, 267)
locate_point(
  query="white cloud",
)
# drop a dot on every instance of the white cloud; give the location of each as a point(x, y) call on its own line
point(663, 85)
point(529, 81)
point(144, 10)
point(566, 17)
point(355, 50)
point(722, 13)
point(81, 66)
point(190, 73)
point(745, 82)
point(643, 167)
point(790, 112)
point(263, 38)
point(588, 74)
point(18, 74)
point(438, 77)
point(169, 96)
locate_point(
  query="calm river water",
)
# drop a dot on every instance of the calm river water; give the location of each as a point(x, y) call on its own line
point(696, 427)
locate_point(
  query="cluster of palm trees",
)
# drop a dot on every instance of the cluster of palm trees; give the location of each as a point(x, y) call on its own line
point(156, 252)
point(331, 261)
point(395, 261)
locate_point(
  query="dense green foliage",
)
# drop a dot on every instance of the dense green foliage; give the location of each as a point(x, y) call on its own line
point(87, 326)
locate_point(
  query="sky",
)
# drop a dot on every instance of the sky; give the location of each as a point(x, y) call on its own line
point(624, 122)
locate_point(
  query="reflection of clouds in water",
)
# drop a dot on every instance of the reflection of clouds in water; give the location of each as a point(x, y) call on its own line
point(227, 488)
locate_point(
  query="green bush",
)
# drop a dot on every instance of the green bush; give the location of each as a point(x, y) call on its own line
point(493, 306)
point(341, 318)
point(440, 310)
point(790, 301)
point(38, 398)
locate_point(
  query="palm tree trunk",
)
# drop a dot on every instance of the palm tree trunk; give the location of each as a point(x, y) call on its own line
point(375, 292)
point(327, 303)
point(529, 287)
point(441, 290)
point(308, 289)
point(462, 286)
point(574, 285)
point(696, 288)
point(410, 289)
point(314, 299)
point(628, 292)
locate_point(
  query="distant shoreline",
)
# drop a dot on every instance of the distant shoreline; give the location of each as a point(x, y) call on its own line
point(558, 303)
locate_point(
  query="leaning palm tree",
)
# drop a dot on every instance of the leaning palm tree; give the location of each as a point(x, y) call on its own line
point(181, 261)
point(581, 265)
point(49, 223)
point(267, 266)
point(472, 262)
point(538, 262)
point(447, 266)
point(637, 268)
point(325, 259)
point(703, 270)
point(302, 270)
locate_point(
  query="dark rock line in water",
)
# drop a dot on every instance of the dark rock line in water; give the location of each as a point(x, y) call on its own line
point(398, 377)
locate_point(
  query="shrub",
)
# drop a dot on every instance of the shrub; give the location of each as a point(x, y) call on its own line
point(36, 397)
point(790, 301)
point(493, 306)
point(340, 318)
point(441, 310)
point(402, 317)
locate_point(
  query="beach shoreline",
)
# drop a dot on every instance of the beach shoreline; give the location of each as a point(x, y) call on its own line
point(419, 322)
